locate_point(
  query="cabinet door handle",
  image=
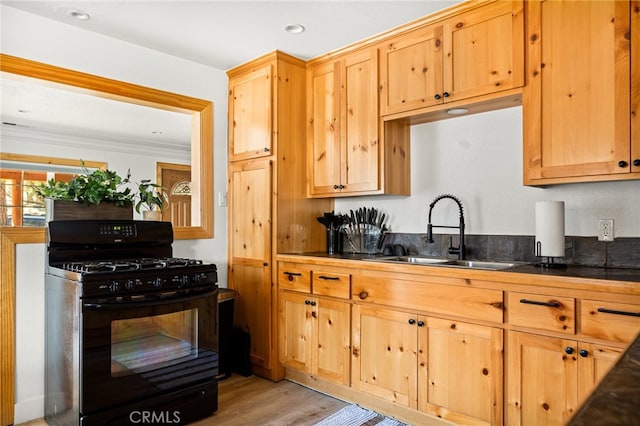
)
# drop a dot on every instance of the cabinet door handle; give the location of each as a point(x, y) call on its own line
point(313, 303)
point(445, 94)
point(363, 295)
point(266, 149)
point(412, 321)
point(568, 350)
point(341, 186)
point(437, 96)
point(536, 302)
point(622, 164)
point(420, 323)
point(325, 277)
point(616, 312)
point(584, 353)
point(636, 162)
point(336, 186)
point(307, 302)
point(290, 275)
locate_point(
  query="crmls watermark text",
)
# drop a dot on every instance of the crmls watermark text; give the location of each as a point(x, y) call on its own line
point(154, 417)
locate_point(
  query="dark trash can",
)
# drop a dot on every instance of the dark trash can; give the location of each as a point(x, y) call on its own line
point(226, 299)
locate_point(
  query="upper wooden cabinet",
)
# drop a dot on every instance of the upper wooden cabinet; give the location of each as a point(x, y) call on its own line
point(474, 53)
point(250, 116)
point(580, 103)
point(344, 146)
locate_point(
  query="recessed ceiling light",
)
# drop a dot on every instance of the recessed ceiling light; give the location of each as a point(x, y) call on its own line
point(457, 111)
point(294, 29)
point(24, 111)
point(156, 132)
point(79, 15)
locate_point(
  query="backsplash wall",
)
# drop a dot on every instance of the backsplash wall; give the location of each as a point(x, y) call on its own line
point(584, 251)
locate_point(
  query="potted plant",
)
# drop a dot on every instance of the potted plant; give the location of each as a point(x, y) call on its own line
point(80, 197)
point(151, 198)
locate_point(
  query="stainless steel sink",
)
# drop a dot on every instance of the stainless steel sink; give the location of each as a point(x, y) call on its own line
point(480, 264)
point(413, 260)
point(431, 261)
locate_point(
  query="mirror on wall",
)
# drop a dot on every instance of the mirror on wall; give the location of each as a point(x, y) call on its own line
point(148, 127)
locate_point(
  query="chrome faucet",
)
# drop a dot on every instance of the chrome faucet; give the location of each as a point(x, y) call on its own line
point(460, 250)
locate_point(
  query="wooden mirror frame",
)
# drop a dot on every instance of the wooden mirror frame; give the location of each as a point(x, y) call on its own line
point(202, 168)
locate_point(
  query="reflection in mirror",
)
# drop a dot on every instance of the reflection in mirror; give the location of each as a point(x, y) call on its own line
point(193, 117)
point(19, 203)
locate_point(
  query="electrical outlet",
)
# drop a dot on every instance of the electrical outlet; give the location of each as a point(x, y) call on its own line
point(605, 230)
point(222, 199)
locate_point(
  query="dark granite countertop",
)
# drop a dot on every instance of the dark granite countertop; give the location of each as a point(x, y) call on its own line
point(589, 272)
point(616, 399)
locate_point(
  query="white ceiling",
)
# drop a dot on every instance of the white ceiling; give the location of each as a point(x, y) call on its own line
point(220, 34)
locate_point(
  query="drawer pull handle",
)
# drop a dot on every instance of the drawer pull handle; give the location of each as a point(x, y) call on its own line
point(290, 275)
point(536, 302)
point(616, 312)
point(324, 277)
point(363, 295)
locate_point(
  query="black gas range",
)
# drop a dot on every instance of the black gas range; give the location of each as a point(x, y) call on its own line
point(131, 329)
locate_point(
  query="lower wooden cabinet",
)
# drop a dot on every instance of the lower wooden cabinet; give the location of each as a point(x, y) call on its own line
point(549, 377)
point(448, 369)
point(314, 335)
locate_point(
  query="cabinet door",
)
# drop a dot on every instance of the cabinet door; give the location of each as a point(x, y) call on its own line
point(333, 344)
point(411, 71)
point(594, 363)
point(542, 379)
point(296, 327)
point(384, 355)
point(323, 135)
point(250, 253)
point(484, 51)
point(576, 102)
point(460, 371)
point(635, 86)
point(360, 152)
point(250, 115)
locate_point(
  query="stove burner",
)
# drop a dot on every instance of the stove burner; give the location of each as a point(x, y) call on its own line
point(129, 265)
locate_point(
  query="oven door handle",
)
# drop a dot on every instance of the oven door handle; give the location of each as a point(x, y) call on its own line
point(146, 302)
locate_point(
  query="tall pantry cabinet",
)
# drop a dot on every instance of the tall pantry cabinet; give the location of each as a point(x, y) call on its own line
point(268, 209)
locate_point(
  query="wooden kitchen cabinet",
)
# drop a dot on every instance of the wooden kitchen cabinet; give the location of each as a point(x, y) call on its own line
point(250, 185)
point(581, 102)
point(448, 369)
point(315, 336)
point(477, 52)
point(315, 325)
point(549, 377)
point(269, 211)
point(344, 147)
point(250, 114)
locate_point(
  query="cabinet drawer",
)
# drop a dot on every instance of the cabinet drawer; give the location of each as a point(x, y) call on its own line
point(329, 283)
point(292, 276)
point(542, 312)
point(618, 322)
point(442, 299)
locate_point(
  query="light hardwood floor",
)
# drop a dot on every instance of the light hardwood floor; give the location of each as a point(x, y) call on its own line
point(252, 401)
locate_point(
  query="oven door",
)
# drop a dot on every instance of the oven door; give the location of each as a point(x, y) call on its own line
point(160, 344)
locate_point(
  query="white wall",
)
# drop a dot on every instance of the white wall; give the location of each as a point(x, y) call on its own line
point(32, 37)
point(479, 159)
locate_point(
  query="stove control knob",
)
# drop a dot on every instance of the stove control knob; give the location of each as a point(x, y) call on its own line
point(128, 284)
point(184, 279)
point(197, 278)
point(157, 282)
point(114, 286)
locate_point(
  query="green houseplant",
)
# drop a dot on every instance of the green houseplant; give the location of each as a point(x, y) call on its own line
point(150, 196)
point(98, 194)
point(90, 188)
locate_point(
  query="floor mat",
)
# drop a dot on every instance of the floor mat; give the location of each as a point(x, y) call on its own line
point(352, 415)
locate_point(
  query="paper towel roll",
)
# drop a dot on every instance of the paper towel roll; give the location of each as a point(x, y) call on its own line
point(549, 229)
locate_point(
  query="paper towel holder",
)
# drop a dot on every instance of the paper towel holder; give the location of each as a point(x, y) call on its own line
point(547, 261)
